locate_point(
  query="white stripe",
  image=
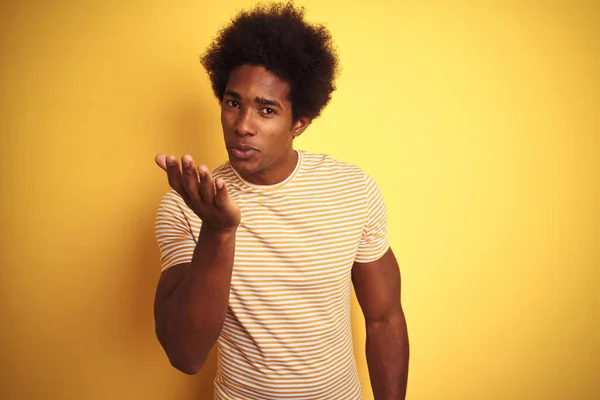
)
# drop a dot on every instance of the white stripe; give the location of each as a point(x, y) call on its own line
point(287, 333)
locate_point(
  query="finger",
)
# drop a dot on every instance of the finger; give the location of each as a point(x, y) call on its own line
point(222, 197)
point(207, 186)
point(174, 175)
point(190, 180)
point(161, 161)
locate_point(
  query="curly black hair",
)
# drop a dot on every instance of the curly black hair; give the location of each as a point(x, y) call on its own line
point(277, 37)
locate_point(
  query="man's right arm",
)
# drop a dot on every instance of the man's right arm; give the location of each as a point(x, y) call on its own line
point(192, 299)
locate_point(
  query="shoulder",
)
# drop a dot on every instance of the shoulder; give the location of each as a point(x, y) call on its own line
point(317, 162)
point(328, 167)
point(172, 200)
point(172, 210)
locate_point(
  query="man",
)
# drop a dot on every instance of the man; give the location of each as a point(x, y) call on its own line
point(259, 254)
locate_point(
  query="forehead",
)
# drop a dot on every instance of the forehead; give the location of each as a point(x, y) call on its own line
point(255, 81)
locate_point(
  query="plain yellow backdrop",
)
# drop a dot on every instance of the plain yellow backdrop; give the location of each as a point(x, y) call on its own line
point(478, 119)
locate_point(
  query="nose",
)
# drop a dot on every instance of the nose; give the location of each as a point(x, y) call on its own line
point(244, 123)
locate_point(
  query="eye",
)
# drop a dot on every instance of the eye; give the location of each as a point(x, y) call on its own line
point(232, 103)
point(268, 111)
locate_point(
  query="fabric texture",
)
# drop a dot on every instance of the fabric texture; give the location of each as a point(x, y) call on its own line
point(287, 332)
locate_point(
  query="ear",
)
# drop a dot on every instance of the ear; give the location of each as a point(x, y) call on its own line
point(299, 126)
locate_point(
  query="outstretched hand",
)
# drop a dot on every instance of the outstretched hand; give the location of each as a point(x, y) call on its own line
point(208, 198)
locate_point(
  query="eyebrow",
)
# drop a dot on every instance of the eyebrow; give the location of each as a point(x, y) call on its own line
point(266, 102)
point(257, 99)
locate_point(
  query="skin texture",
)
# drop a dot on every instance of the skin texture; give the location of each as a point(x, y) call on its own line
point(192, 298)
point(377, 287)
point(256, 112)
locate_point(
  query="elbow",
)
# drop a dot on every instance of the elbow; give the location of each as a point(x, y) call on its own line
point(394, 319)
point(187, 360)
point(188, 367)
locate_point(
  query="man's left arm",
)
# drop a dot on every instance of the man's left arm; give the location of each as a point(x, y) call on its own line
point(377, 287)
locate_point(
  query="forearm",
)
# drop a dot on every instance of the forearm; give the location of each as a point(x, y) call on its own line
point(387, 357)
point(191, 320)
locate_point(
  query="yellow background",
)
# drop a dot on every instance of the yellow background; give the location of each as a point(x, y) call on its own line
point(479, 120)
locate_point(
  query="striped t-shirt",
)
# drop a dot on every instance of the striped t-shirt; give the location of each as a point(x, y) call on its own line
point(287, 332)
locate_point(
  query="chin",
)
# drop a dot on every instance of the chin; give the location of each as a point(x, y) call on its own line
point(245, 167)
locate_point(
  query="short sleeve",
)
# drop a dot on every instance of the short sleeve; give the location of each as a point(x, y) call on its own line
point(173, 232)
point(374, 241)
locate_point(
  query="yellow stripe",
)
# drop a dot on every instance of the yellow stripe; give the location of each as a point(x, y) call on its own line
point(287, 333)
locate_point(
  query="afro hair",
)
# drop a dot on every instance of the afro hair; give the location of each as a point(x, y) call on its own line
point(277, 37)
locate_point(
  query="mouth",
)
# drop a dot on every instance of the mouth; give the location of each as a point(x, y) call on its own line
point(241, 152)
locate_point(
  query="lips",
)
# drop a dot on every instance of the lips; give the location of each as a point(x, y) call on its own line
point(242, 152)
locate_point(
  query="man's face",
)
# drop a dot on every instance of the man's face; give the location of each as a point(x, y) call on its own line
point(256, 117)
